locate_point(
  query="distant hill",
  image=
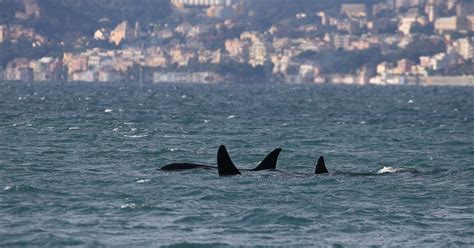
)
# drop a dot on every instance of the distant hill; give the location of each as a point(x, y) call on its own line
point(271, 11)
point(60, 17)
point(116, 10)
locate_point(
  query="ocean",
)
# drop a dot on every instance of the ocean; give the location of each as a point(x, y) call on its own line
point(80, 165)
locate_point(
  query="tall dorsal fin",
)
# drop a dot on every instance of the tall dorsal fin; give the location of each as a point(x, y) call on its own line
point(269, 162)
point(320, 166)
point(224, 163)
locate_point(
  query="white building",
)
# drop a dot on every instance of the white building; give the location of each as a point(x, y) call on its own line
point(200, 3)
point(465, 48)
point(183, 77)
point(3, 33)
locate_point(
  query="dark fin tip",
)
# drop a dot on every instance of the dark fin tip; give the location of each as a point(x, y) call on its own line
point(320, 166)
point(269, 162)
point(224, 163)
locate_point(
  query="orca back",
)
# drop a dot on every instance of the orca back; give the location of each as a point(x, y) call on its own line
point(184, 166)
point(224, 163)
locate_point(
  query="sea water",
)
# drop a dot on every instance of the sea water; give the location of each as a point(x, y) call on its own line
point(79, 165)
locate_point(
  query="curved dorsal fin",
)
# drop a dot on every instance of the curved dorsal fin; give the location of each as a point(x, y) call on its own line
point(269, 162)
point(224, 163)
point(320, 166)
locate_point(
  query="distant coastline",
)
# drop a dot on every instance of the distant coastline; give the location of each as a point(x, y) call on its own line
point(244, 41)
point(460, 81)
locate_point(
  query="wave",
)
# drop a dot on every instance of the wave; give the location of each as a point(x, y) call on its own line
point(389, 169)
point(136, 136)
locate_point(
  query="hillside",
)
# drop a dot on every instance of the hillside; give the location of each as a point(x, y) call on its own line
point(60, 17)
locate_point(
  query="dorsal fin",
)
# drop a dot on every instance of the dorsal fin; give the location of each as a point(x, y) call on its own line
point(269, 162)
point(320, 166)
point(224, 163)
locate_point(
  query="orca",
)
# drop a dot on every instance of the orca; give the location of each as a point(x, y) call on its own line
point(321, 169)
point(226, 167)
point(268, 163)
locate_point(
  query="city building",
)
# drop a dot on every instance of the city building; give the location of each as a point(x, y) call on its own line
point(343, 41)
point(465, 48)
point(450, 24)
point(470, 23)
point(465, 8)
point(406, 3)
point(122, 32)
point(354, 10)
point(83, 76)
point(404, 66)
point(46, 69)
point(257, 51)
point(200, 3)
point(18, 70)
point(109, 76)
point(432, 11)
point(31, 9)
point(184, 77)
point(3, 33)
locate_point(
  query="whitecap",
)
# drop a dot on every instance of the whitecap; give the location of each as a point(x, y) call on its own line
point(108, 110)
point(128, 205)
point(7, 187)
point(143, 180)
point(206, 121)
point(115, 129)
point(389, 169)
point(183, 96)
point(410, 101)
point(231, 117)
point(74, 128)
point(136, 136)
point(42, 98)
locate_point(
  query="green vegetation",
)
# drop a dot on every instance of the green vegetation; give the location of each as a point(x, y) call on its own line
point(464, 69)
point(23, 49)
point(61, 18)
point(420, 47)
point(344, 62)
point(268, 12)
point(118, 10)
point(8, 9)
